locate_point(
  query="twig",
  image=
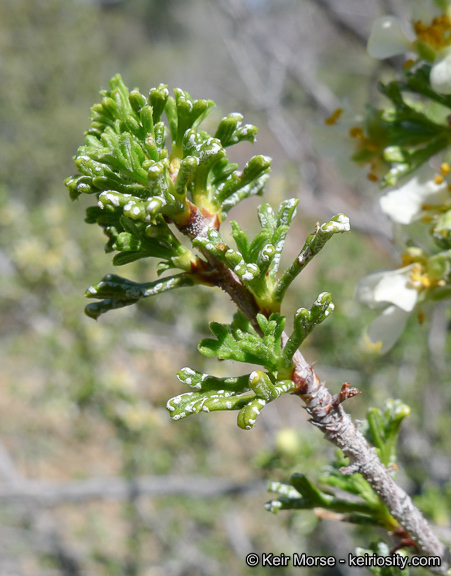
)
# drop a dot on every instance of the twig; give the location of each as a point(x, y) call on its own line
point(328, 415)
point(339, 429)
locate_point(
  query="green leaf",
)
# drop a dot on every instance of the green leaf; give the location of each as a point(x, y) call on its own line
point(118, 292)
point(304, 495)
point(230, 130)
point(206, 383)
point(314, 243)
point(304, 322)
point(285, 214)
point(158, 98)
point(249, 182)
point(249, 413)
point(245, 347)
point(382, 428)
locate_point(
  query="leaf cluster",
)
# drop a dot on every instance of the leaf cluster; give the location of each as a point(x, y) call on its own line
point(240, 342)
point(363, 505)
point(157, 175)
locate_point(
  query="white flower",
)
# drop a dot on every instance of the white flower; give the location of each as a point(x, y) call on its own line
point(412, 200)
point(429, 37)
point(425, 10)
point(398, 291)
point(392, 287)
point(387, 38)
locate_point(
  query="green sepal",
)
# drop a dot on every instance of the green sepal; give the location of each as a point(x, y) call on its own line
point(414, 161)
point(411, 136)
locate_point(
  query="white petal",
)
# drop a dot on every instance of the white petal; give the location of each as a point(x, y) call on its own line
point(405, 204)
point(441, 75)
point(388, 287)
point(366, 288)
point(387, 328)
point(396, 289)
point(387, 38)
point(425, 10)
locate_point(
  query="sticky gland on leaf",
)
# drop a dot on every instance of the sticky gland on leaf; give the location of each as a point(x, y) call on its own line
point(198, 221)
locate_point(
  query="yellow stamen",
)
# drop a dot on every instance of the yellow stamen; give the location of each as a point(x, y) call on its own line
point(408, 64)
point(356, 132)
point(422, 279)
point(437, 35)
point(439, 179)
point(372, 177)
point(406, 259)
point(445, 169)
point(334, 117)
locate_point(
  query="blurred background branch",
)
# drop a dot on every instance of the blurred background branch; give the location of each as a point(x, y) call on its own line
point(82, 401)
